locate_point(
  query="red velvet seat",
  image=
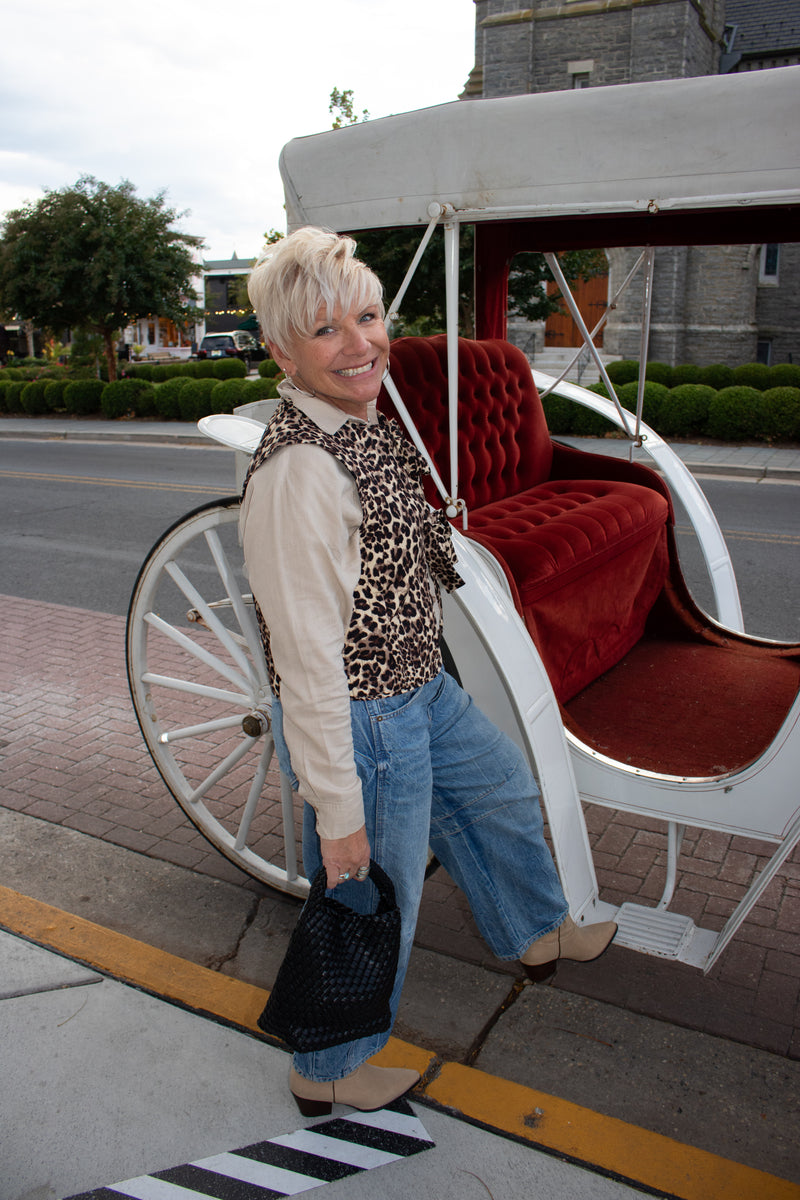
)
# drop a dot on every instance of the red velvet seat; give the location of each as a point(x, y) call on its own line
point(582, 538)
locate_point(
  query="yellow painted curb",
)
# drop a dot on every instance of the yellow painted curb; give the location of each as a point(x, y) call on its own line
point(131, 961)
point(558, 1126)
point(602, 1142)
point(175, 979)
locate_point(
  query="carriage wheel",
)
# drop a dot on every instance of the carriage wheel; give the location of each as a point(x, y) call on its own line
point(202, 699)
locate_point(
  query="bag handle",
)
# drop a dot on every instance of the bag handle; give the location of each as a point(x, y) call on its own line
point(384, 885)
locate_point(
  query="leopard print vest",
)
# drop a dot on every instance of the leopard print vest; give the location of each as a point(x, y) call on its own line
point(392, 643)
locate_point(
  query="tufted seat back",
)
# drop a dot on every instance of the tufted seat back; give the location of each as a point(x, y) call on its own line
point(503, 443)
point(582, 538)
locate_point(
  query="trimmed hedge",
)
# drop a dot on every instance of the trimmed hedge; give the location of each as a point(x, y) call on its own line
point(717, 376)
point(54, 393)
point(685, 411)
point(686, 373)
point(32, 398)
point(752, 375)
point(655, 395)
point(140, 371)
point(659, 372)
point(229, 368)
point(268, 368)
point(781, 412)
point(178, 370)
point(785, 375)
point(82, 398)
point(126, 396)
point(14, 395)
point(559, 413)
point(735, 413)
point(260, 389)
point(228, 394)
point(625, 370)
point(194, 400)
point(167, 397)
point(767, 408)
point(588, 423)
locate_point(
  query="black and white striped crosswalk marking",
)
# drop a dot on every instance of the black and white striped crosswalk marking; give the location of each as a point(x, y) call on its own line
point(286, 1165)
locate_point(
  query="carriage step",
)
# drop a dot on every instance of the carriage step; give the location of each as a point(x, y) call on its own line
point(654, 931)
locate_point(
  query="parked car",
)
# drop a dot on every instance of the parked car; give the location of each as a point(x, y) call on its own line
point(236, 344)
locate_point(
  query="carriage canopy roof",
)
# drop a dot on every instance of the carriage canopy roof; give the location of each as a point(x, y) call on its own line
point(704, 143)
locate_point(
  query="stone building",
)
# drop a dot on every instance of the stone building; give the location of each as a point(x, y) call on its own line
point(729, 303)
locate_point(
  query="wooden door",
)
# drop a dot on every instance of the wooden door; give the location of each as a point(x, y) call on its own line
point(591, 296)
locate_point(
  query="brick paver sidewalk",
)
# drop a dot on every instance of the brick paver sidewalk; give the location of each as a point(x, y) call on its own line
point(73, 755)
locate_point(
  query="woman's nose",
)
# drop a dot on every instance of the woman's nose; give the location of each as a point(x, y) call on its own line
point(356, 340)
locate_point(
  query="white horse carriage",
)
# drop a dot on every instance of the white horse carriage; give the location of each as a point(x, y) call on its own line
point(575, 630)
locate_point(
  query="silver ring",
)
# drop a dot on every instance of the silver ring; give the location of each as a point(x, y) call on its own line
point(344, 877)
point(362, 873)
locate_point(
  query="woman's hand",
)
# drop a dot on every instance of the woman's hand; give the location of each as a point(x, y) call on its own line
point(343, 855)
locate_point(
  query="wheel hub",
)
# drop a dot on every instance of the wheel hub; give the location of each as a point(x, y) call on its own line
point(256, 723)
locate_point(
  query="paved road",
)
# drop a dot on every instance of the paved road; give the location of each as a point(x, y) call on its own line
point(80, 518)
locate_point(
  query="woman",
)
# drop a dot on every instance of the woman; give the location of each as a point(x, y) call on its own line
point(345, 560)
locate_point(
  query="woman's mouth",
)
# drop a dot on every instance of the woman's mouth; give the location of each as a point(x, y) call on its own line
point(350, 372)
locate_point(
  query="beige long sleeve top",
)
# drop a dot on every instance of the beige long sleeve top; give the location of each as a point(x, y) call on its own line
point(299, 525)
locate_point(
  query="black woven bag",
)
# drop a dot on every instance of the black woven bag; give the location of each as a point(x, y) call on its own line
point(336, 980)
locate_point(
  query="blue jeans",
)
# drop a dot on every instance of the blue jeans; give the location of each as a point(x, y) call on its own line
point(435, 771)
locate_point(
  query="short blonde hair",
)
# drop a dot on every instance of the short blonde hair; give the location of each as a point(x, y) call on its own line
point(295, 277)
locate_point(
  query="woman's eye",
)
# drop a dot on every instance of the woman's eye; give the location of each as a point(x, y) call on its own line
point(326, 329)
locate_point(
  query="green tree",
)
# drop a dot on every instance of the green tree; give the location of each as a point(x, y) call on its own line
point(94, 257)
point(342, 106)
point(389, 253)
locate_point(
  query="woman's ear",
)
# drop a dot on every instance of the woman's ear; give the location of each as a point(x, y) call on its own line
point(286, 364)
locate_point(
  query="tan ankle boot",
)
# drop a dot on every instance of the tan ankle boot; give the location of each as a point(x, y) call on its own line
point(367, 1089)
point(581, 943)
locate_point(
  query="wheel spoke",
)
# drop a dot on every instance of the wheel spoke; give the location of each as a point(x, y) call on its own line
point(221, 770)
point(197, 689)
point(182, 640)
point(175, 735)
point(247, 624)
point(287, 812)
point(212, 620)
point(254, 795)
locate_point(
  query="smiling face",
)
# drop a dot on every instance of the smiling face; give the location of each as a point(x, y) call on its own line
point(344, 359)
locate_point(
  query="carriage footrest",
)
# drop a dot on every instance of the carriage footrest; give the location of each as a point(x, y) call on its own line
point(653, 930)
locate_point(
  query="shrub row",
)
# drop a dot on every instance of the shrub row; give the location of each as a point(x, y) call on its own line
point(217, 368)
point(27, 374)
point(716, 376)
point(204, 368)
point(732, 413)
point(180, 398)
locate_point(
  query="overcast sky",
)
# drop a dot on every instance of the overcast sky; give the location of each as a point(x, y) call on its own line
point(197, 98)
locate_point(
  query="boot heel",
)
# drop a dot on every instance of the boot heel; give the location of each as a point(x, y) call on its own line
point(313, 1108)
point(539, 972)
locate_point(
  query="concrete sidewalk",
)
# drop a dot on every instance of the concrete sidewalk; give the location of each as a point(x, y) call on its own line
point(104, 1083)
point(129, 1071)
point(214, 947)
